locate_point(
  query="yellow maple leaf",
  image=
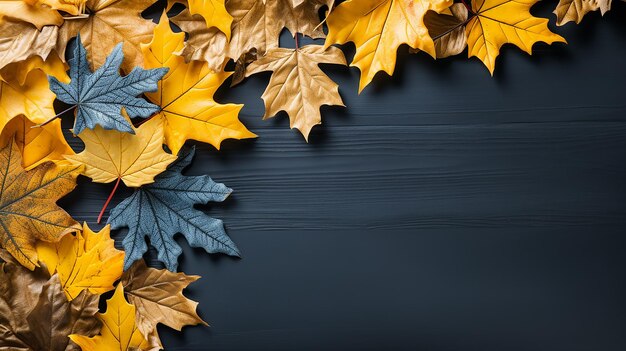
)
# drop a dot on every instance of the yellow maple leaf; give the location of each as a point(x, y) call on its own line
point(214, 14)
point(185, 94)
point(111, 155)
point(39, 13)
point(28, 210)
point(86, 261)
point(378, 28)
point(119, 330)
point(37, 145)
point(499, 22)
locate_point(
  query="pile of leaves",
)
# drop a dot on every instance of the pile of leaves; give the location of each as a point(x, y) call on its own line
point(138, 91)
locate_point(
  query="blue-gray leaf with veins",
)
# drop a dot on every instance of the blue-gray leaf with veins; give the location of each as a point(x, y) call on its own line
point(164, 208)
point(100, 96)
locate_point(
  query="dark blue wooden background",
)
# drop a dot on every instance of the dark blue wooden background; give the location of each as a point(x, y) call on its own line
point(442, 210)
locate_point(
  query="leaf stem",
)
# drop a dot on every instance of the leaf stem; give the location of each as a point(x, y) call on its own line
point(106, 204)
point(469, 9)
point(53, 118)
point(296, 38)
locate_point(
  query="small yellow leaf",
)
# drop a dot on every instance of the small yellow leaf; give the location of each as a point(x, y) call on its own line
point(33, 98)
point(37, 145)
point(499, 22)
point(378, 28)
point(87, 261)
point(119, 330)
point(214, 13)
point(134, 158)
point(185, 94)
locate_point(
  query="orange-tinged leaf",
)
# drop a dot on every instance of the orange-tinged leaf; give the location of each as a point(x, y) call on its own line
point(298, 86)
point(37, 145)
point(185, 95)
point(86, 261)
point(378, 28)
point(134, 158)
point(158, 296)
point(38, 13)
point(119, 330)
point(499, 22)
point(28, 210)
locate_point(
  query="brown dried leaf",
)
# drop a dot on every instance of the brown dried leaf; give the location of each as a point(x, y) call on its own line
point(21, 40)
point(574, 10)
point(448, 30)
point(203, 44)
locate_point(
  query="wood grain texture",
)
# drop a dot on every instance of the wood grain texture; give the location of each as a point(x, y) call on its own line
point(442, 210)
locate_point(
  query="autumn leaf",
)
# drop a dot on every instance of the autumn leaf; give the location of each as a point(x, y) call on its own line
point(101, 95)
point(258, 23)
point(21, 41)
point(214, 14)
point(574, 10)
point(28, 210)
point(158, 296)
point(448, 30)
point(110, 23)
point(87, 261)
point(185, 95)
point(298, 86)
point(135, 159)
point(35, 314)
point(165, 208)
point(378, 28)
point(119, 330)
point(499, 22)
point(36, 12)
point(203, 44)
point(37, 145)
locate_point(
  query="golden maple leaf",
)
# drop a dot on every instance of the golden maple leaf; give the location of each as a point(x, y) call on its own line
point(28, 210)
point(110, 22)
point(158, 296)
point(86, 261)
point(378, 28)
point(111, 155)
point(499, 22)
point(185, 95)
point(37, 145)
point(574, 10)
point(214, 14)
point(119, 330)
point(298, 86)
point(39, 13)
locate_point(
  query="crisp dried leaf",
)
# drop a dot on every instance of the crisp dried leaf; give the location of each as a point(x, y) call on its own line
point(203, 44)
point(499, 22)
point(298, 86)
point(258, 23)
point(133, 158)
point(87, 261)
point(378, 28)
point(21, 41)
point(574, 10)
point(158, 296)
point(185, 95)
point(37, 145)
point(35, 12)
point(101, 95)
point(28, 210)
point(119, 330)
point(110, 22)
point(240, 66)
point(165, 208)
point(35, 314)
point(448, 30)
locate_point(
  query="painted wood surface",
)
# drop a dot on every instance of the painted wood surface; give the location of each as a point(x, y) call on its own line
point(442, 210)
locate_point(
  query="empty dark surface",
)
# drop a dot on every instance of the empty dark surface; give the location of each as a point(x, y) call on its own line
point(442, 210)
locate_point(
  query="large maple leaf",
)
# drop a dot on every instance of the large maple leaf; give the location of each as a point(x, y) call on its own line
point(378, 28)
point(86, 261)
point(158, 296)
point(35, 314)
point(298, 86)
point(101, 95)
point(185, 95)
point(110, 22)
point(28, 209)
point(165, 208)
point(499, 22)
